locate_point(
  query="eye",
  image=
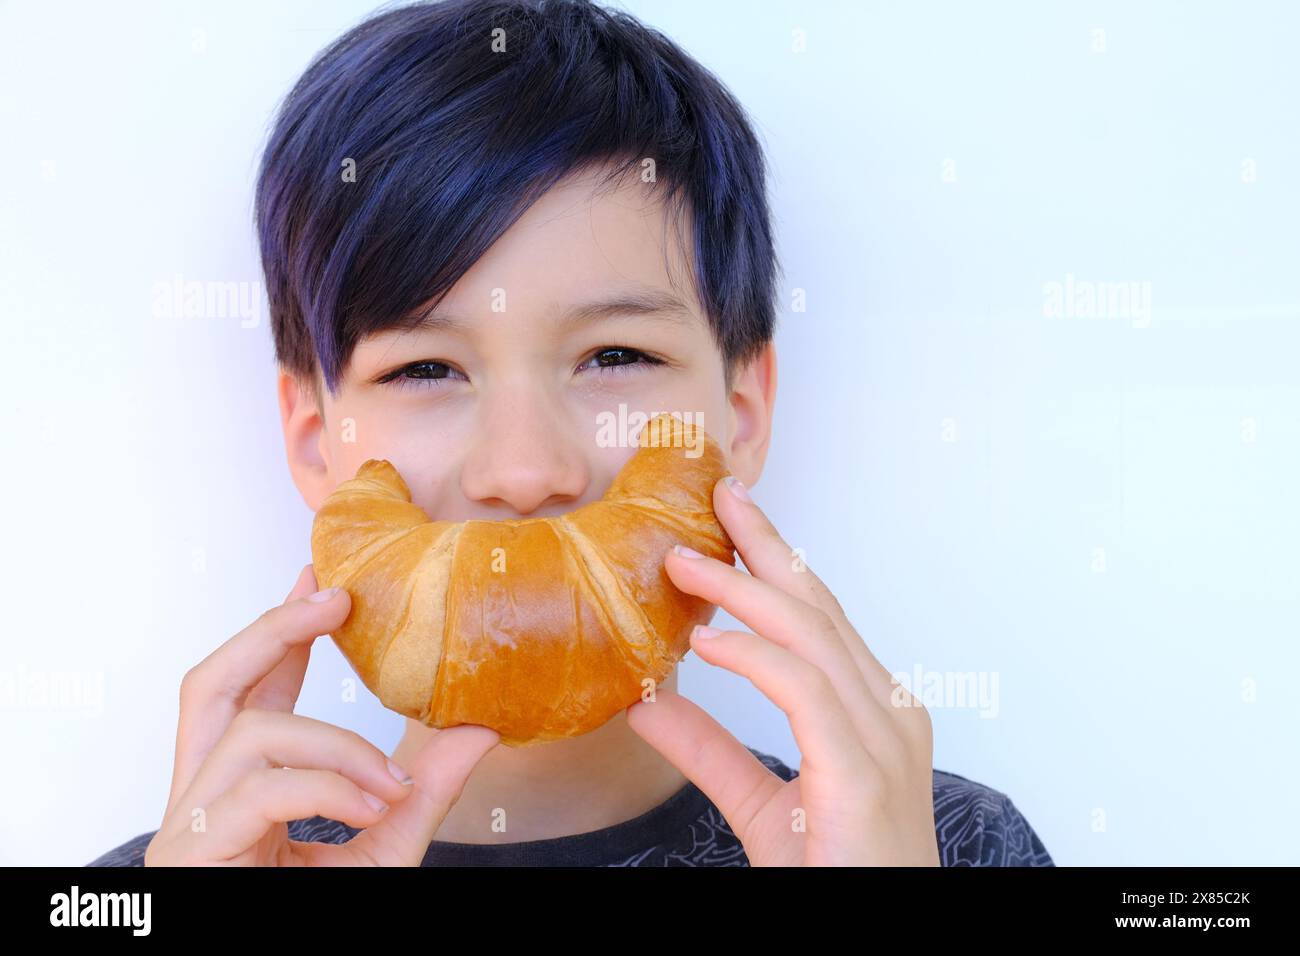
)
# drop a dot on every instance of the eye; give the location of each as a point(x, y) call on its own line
point(616, 358)
point(420, 375)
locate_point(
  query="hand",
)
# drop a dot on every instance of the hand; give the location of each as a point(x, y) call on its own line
point(231, 796)
point(864, 794)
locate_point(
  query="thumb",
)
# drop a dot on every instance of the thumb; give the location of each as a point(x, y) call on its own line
point(440, 770)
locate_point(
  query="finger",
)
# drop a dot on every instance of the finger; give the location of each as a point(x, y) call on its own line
point(770, 558)
point(790, 623)
point(279, 689)
point(306, 584)
point(707, 755)
point(403, 836)
point(216, 688)
point(827, 736)
point(238, 818)
point(264, 738)
point(784, 618)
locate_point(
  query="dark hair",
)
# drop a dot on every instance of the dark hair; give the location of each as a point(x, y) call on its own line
point(452, 142)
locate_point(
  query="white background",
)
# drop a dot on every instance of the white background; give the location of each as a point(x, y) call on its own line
point(1099, 512)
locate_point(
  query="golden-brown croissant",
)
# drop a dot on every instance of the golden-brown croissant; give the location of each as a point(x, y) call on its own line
point(540, 628)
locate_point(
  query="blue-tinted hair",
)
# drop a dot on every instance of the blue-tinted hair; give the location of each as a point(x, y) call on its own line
point(452, 142)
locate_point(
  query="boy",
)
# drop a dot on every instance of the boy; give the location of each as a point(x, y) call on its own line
point(484, 226)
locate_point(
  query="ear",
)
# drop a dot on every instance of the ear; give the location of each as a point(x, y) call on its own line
point(752, 398)
point(303, 424)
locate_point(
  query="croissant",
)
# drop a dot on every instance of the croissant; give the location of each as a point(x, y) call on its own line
point(540, 628)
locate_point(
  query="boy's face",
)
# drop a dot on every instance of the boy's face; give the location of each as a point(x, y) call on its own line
point(496, 411)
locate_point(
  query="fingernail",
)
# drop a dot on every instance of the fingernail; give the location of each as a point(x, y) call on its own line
point(738, 489)
point(375, 802)
point(321, 596)
point(686, 552)
point(703, 630)
point(400, 775)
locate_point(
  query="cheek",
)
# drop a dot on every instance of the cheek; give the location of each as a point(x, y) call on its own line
point(418, 456)
point(429, 477)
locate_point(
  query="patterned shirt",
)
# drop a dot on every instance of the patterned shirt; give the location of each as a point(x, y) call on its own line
point(975, 825)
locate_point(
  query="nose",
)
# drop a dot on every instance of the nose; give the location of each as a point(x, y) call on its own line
point(524, 460)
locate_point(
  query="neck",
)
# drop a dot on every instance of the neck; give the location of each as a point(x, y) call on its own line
point(555, 789)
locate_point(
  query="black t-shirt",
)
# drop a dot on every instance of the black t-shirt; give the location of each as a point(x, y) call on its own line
point(975, 825)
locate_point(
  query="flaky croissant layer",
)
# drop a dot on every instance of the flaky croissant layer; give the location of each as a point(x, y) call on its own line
point(540, 628)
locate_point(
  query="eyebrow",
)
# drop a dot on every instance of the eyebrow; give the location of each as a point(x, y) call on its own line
point(650, 303)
